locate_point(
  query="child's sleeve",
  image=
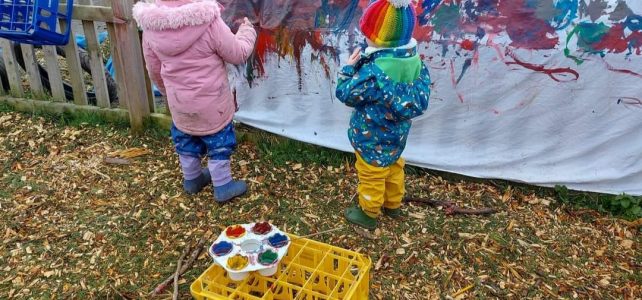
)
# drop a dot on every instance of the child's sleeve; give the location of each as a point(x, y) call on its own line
point(153, 64)
point(355, 88)
point(411, 100)
point(233, 48)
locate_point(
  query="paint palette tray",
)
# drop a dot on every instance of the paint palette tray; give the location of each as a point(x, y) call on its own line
point(245, 248)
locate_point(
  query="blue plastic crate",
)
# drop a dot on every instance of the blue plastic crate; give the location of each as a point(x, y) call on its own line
point(34, 21)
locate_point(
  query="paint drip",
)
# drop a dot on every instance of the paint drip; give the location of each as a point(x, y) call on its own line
point(278, 240)
point(222, 248)
point(235, 231)
point(557, 74)
point(237, 262)
point(262, 228)
point(268, 258)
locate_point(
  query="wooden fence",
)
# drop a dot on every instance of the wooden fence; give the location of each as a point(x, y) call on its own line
point(68, 79)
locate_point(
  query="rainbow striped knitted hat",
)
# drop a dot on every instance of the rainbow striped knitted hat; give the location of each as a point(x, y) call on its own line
point(389, 23)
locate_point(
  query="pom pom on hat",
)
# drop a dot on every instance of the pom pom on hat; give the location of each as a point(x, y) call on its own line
point(389, 23)
point(400, 3)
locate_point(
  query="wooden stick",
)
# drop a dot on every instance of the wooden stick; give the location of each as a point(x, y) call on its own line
point(196, 252)
point(178, 270)
point(451, 209)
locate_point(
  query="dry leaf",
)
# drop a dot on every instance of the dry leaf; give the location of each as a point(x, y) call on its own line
point(311, 216)
point(297, 167)
point(406, 238)
point(523, 243)
point(467, 236)
point(507, 195)
point(88, 236)
point(401, 251)
point(49, 273)
point(419, 216)
point(626, 244)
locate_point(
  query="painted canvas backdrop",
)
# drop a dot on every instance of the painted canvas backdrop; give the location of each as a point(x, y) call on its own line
point(540, 91)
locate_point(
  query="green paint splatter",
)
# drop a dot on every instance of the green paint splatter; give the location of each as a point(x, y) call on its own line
point(446, 19)
point(587, 34)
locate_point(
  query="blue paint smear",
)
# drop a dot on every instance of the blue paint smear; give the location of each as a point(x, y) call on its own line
point(428, 6)
point(567, 12)
point(633, 23)
point(467, 65)
point(333, 17)
point(474, 9)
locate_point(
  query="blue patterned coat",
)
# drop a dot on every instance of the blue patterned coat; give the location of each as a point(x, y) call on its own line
point(383, 106)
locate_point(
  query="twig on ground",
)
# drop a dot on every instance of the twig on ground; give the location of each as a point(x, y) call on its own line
point(116, 161)
point(635, 224)
point(178, 270)
point(451, 209)
point(462, 291)
point(196, 252)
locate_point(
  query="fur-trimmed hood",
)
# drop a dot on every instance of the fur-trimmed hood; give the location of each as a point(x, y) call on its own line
point(171, 27)
point(166, 15)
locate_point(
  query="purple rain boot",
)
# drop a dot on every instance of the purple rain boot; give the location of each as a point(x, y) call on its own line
point(195, 178)
point(225, 189)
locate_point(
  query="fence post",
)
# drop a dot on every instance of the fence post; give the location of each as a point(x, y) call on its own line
point(130, 61)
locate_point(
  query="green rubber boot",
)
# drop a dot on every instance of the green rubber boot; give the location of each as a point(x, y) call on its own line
point(393, 213)
point(356, 216)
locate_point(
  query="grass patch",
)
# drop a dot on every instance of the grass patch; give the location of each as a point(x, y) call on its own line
point(280, 151)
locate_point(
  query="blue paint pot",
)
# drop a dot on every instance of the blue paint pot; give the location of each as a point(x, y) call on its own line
point(222, 248)
point(278, 240)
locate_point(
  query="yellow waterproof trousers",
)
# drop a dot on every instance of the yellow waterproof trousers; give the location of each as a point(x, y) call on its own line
point(380, 186)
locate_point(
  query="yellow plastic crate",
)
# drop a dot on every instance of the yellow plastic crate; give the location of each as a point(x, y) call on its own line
point(310, 270)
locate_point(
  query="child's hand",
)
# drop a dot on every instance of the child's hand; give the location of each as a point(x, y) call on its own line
point(354, 58)
point(247, 22)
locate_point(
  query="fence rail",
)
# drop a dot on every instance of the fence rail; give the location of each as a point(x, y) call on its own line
point(71, 78)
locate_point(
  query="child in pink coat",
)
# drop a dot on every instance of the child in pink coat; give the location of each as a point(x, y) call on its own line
point(186, 46)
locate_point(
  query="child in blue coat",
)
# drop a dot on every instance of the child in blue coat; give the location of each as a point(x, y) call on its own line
point(388, 85)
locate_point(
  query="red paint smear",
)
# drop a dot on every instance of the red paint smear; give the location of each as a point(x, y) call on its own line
point(539, 34)
point(423, 33)
point(454, 81)
point(326, 67)
point(497, 48)
point(522, 25)
point(476, 58)
point(265, 43)
point(540, 68)
point(623, 71)
point(613, 40)
point(285, 42)
point(467, 45)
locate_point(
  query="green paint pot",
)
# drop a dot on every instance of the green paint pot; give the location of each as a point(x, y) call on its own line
point(268, 258)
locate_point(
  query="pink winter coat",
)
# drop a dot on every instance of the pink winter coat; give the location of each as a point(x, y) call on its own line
point(186, 45)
